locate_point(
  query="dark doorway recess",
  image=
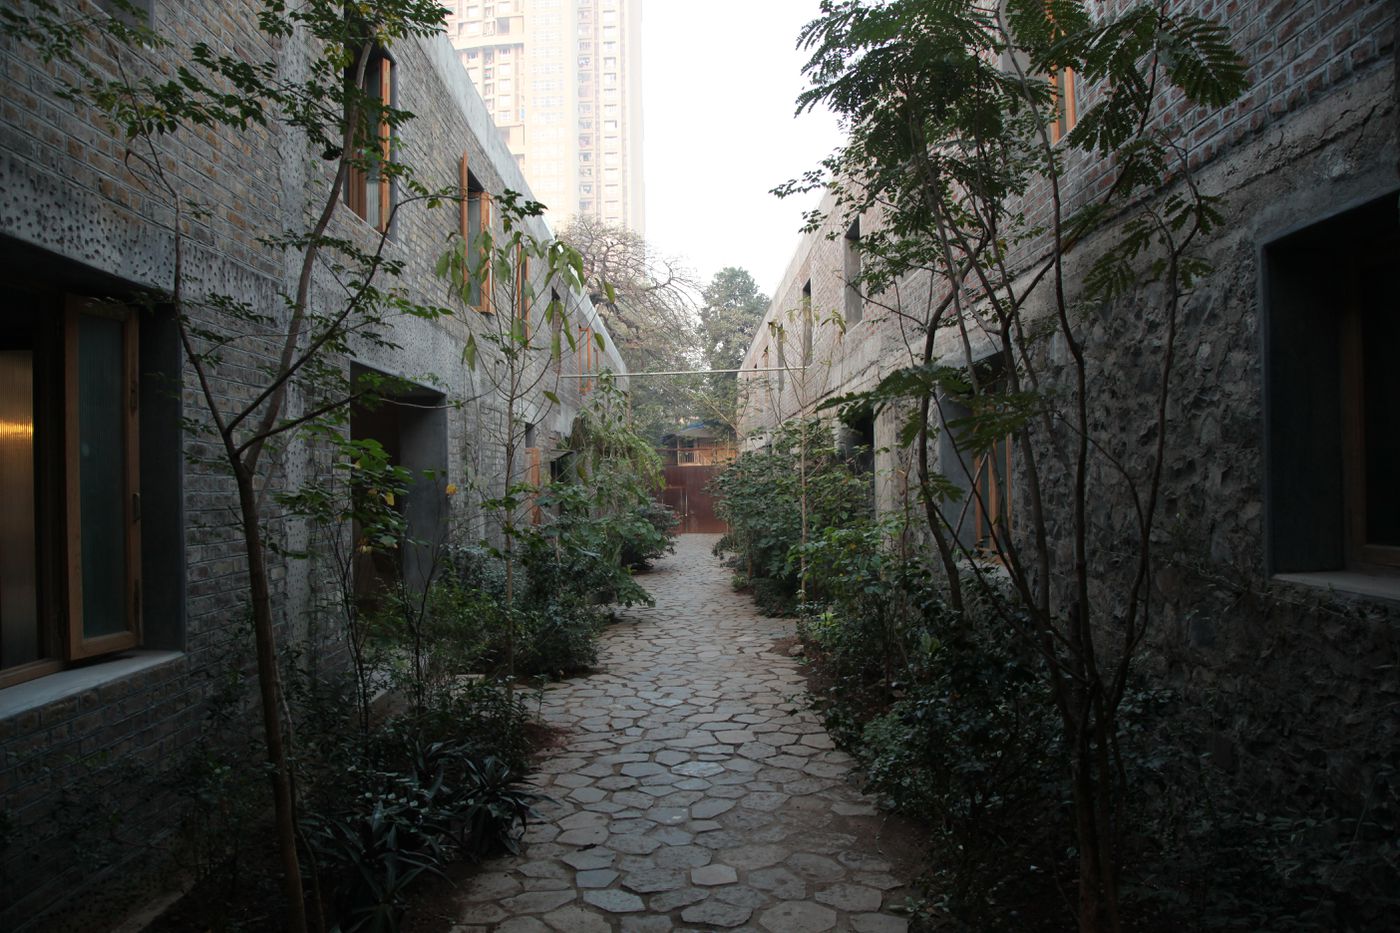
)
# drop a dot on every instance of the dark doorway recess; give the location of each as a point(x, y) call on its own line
point(1332, 393)
point(411, 425)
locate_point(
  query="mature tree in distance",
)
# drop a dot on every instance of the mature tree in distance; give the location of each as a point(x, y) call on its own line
point(732, 311)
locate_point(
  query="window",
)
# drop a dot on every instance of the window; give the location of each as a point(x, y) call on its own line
point(534, 473)
point(992, 503)
point(855, 304)
point(411, 425)
point(981, 516)
point(1066, 105)
point(855, 440)
point(1332, 391)
point(586, 359)
point(70, 544)
point(522, 290)
point(474, 226)
point(367, 192)
point(807, 323)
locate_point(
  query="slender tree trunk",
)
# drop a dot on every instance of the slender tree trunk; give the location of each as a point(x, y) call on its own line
point(508, 533)
point(802, 483)
point(270, 691)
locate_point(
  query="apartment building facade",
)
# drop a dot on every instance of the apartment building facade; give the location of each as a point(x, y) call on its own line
point(562, 80)
point(1278, 576)
point(100, 698)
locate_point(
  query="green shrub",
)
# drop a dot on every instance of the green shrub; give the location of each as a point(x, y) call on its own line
point(408, 809)
point(557, 638)
point(950, 719)
point(482, 716)
point(653, 538)
point(421, 787)
point(761, 496)
point(578, 556)
point(973, 746)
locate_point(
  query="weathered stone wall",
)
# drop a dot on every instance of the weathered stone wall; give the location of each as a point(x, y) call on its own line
point(86, 752)
point(1296, 682)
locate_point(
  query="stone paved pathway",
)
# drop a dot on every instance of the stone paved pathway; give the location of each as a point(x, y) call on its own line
point(693, 790)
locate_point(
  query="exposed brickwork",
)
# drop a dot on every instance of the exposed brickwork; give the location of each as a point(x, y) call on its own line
point(66, 194)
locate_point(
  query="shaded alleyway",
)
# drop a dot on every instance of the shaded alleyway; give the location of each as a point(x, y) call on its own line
point(693, 790)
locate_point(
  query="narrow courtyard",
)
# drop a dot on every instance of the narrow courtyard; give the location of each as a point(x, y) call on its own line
point(691, 788)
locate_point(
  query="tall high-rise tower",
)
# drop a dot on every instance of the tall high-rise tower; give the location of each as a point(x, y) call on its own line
point(562, 78)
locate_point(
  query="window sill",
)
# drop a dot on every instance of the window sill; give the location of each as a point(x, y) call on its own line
point(1377, 585)
point(40, 692)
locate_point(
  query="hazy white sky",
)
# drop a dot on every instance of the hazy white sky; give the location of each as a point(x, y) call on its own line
point(719, 81)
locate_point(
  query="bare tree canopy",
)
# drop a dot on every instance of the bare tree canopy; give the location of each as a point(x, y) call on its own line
point(651, 310)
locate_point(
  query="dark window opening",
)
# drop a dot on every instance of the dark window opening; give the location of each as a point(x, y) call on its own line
point(856, 443)
point(1333, 393)
point(411, 426)
point(807, 323)
point(855, 303)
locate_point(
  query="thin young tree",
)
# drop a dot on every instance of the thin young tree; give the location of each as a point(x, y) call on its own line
point(518, 357)
point(958, 150)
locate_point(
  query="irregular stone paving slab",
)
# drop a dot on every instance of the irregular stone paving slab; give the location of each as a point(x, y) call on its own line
point(692, 787)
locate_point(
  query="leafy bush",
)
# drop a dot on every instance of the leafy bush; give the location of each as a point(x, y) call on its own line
point(578, 555)
point(762, 495)
point(973, 745)
point(411, 807)
point(557, 638)
point(426, 785)
point(951, 721)
point(429, 642)
point(655, 536)
point(483, 717)
point(774, 597)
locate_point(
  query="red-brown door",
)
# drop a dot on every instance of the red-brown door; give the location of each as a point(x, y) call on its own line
point(686, 493)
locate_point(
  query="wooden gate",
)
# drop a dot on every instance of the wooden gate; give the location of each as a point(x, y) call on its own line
point(685, 492)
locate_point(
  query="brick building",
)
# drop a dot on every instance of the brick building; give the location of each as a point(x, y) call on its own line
point(96, 702)
point(1273, 610)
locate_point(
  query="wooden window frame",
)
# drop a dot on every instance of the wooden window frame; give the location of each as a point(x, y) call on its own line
point(357, 180)
point(59, 571)
point(585, 359)
point(522, 281)
point(1065, 102)
point(79, 645)
point(482, 200)
point(992, 509)
point(1361, 554)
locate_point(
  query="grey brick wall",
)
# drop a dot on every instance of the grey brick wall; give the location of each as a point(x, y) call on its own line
point(100, 758)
